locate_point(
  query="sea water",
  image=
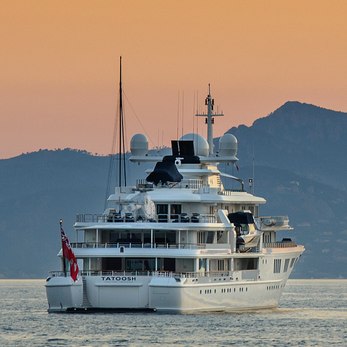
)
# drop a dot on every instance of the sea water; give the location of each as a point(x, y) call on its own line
point(311, 313)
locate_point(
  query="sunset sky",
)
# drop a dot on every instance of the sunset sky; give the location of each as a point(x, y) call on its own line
point(59, 66)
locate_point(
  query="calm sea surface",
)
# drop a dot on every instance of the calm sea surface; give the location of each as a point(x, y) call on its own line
point(311, 313)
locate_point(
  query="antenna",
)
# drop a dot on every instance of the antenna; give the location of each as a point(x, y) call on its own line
point(197, 111)
point(121, 154)
point(193, 113)
point(182, 112)
point(209, 120)
point(178, 114)
point(253, 169)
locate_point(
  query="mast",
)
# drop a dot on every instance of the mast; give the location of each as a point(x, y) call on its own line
point(121, 154)
point(209, 120)
point(121, 144)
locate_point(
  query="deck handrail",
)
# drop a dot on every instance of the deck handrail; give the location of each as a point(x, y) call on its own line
point(160, 218)
point(279, 244)
point(192, 183)
point(137, 245)
point(230, 192)
point(214, 274)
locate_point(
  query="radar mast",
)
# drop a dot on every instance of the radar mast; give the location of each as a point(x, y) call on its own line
point(209, 119)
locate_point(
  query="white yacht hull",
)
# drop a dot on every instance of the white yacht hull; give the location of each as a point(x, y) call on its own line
point(162, 294)
point(177, 293)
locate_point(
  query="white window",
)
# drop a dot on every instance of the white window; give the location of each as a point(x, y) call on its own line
point(292, 262)
point(201, 237)
point(277, 265)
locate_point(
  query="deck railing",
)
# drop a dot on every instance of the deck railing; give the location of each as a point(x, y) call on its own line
point(281, 244)
point(195, 184)
point(142, 184)
point(137, 245)
point(214, 274)
point(229, 192)
point(78, 245)
point(160, 218)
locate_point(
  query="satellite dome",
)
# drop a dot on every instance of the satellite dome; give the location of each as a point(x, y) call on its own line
point(139, 145)
point(201, 146)
point(228, 145)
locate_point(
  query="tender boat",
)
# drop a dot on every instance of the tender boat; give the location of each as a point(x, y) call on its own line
point(177, 241)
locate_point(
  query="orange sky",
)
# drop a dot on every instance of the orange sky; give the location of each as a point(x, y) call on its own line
point(59, 65)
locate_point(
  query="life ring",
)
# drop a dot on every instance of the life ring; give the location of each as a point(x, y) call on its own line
point(178, 162)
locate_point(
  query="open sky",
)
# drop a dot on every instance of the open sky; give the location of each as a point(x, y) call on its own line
point(59, 66)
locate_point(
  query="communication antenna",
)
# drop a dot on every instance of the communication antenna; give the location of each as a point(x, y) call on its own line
point(182, 112)
point(209, 118)
point(253, 169)
point(178, 114)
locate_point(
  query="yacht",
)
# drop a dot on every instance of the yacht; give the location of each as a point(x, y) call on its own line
point(177, 240)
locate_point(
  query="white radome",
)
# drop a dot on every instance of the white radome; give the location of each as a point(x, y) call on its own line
point(139, 145)
point(228, 145)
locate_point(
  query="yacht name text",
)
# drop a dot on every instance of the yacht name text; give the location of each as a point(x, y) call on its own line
point(119, 278)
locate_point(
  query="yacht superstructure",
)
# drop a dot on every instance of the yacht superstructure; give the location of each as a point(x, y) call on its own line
point(178, 241)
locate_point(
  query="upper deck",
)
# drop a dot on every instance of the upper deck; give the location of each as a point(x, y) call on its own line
point(187, 190)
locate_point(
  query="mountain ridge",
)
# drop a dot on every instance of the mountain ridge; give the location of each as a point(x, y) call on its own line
point(291, 140)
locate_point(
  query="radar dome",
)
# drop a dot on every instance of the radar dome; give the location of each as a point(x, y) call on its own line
point(228, 145)
point(201, 146)
point(139, 145)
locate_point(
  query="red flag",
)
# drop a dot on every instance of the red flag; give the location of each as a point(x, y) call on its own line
point(69, 254)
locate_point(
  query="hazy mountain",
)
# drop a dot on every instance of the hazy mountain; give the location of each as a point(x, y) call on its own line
point(298, 153)
point(305, 139)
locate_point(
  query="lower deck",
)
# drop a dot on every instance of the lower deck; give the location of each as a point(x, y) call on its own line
point(171, 265)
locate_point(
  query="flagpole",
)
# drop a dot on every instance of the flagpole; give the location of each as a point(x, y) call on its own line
point(68, 255)
point(62, 248)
